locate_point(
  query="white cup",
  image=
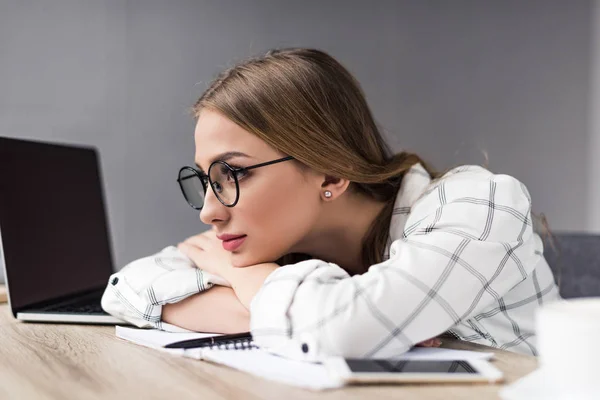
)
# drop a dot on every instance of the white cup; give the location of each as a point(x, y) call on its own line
point(569, 347)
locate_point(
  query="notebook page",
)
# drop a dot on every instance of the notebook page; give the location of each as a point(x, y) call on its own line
point(268, 366)
point(254, 361)
point(311, 375)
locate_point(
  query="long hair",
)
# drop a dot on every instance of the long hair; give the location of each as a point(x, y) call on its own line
point(305, 104)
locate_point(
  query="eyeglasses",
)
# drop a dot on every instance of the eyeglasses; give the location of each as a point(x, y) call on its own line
point(223, 179)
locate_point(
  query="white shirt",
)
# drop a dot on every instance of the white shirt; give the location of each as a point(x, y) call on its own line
point(462, 258)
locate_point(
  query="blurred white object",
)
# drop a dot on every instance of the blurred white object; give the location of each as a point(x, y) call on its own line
point(569, 349)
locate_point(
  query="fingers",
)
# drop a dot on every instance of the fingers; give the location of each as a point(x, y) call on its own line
point(193, 252)
point(201, 240)
point(194, 242)
point(209, 234)
point(198, 240)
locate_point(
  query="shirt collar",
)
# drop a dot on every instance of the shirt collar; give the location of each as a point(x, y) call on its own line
point(414, 183)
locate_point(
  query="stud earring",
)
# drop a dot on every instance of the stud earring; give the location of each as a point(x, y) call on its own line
point(328, 194)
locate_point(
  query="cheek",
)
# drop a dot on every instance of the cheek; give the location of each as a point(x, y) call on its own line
point(275, 220)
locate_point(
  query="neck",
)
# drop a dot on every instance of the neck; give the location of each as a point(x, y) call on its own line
point(340, 231)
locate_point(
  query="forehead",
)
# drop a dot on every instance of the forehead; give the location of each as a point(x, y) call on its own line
point(215, 135)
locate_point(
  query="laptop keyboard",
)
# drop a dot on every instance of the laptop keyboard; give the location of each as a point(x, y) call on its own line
point(80, 306)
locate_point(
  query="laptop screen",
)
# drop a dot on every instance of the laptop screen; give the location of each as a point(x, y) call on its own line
point(53, 226)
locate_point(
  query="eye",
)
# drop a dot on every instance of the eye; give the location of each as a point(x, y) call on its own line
point(239, 173)
point(217, 187)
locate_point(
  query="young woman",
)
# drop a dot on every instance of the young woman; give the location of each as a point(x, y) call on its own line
point(324, 243)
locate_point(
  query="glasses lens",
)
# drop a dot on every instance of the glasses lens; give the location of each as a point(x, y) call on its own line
point(223, 182)
point(192, 187)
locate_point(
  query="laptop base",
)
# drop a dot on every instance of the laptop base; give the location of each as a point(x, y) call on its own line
point(70, 318)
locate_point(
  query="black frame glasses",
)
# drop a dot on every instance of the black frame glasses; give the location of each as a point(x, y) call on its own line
point(190, 189)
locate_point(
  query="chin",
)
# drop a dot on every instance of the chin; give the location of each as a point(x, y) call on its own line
point(241, 260)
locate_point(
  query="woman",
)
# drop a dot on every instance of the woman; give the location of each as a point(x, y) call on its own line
point(330, 244)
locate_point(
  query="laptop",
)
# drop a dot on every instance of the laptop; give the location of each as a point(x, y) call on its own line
point(54, 237)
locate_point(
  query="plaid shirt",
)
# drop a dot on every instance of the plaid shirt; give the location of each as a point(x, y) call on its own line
point(462, 258)
point(137, 292)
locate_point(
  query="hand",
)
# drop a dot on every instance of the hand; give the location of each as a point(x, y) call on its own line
point(207, 253)
point(435, 342)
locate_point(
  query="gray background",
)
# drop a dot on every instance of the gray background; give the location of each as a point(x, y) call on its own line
point(517, 79)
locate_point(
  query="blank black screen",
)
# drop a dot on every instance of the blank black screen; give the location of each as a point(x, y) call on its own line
point(409, 366)
point(52, 221)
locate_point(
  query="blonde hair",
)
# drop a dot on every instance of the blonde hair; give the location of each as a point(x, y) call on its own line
point(304, 103)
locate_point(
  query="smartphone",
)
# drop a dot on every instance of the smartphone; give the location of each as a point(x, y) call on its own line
point(357, 370)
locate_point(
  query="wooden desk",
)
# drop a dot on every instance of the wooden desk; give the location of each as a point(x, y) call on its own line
point(56, 361)
point(3, 294)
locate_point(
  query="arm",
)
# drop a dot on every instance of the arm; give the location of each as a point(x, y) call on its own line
point(247, 281)
point(459, 256)
point(138, 292)
point(216, 310)
point(207, 253)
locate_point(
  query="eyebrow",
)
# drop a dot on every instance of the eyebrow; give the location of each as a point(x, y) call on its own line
point(224, 157)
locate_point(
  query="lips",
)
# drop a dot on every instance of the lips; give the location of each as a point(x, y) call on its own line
point(232, 242)
point(229, 236)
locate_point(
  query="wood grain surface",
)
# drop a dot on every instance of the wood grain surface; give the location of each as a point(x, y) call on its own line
point(61, 361)
point(3, 297)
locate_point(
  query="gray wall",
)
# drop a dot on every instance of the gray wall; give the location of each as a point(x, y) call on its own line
point(593, 155)
point(446, 79)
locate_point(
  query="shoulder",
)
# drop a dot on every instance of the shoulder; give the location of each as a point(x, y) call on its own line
point(471, 195)
point(473, 182)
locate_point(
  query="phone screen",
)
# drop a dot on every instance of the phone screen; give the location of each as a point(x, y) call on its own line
point(409, 366)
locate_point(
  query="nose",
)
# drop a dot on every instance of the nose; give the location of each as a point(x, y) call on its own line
point(213, 210)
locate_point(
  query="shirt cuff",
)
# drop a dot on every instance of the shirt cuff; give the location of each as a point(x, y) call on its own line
point(137, 293)
point(271, 324)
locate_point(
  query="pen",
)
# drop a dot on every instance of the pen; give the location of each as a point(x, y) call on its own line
point(209, 341)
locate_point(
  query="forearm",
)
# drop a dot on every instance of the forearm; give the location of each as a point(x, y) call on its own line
point(217, 310)
point(246, 282)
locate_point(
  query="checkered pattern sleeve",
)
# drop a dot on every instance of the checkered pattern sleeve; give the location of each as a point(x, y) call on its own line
point(467, 242)
point(137, 292)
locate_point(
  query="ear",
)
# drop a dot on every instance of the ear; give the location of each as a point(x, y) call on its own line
point(333, 185)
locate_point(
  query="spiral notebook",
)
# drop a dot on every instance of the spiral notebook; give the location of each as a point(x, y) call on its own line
point(266, 365)
point(157, 339)
point(249, 358)
point(235, 341)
